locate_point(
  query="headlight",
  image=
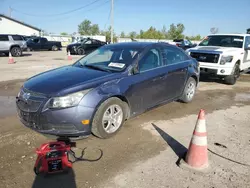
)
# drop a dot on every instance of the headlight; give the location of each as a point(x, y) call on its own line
point(68, 100)
point(226, 59)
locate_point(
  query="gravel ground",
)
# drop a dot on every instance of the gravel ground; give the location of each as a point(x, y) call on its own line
point(228, 127)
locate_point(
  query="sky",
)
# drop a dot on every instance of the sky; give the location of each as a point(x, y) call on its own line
point(198, 16)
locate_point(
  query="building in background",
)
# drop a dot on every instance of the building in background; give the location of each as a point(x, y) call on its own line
point(12, 26)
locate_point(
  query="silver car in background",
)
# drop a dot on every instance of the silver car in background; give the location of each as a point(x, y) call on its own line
point(15, 44)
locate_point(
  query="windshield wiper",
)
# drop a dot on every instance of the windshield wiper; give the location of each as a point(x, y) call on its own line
point(96, 67)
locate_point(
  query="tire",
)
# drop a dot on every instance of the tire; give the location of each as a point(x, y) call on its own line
point(189, 91)
point(80, 51)
point(54, 48)
point(231, 79)
point(16, 51)
point(99, 124)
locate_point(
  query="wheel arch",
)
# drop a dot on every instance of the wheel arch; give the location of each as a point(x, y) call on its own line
point(14, 45)
point(119, 96)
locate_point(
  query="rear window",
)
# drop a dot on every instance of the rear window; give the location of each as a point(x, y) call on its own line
point(4, 38)
point(17, 37)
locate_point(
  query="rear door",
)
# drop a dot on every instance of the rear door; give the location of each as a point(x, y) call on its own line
point(4, 43)
point(176, 69)
point(18, 40)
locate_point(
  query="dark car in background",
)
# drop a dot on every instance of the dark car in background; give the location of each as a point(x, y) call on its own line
point(84, 47)
point(42, 43)
point(184, 43)
point(105, 88)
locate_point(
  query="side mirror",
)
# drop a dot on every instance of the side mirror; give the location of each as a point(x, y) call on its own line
point(248, 47)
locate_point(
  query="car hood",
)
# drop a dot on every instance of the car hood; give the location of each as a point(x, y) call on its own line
point(58, 80)
point(214, 49)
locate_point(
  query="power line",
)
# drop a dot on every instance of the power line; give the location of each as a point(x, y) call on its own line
point(69, 17)
point(107, 20)
point(63, 13)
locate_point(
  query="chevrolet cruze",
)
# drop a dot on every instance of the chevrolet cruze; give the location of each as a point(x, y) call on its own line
point(100, 91)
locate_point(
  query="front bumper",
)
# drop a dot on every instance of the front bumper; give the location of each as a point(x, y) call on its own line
point(215, 69)
point(61, 122)
point(71, 50)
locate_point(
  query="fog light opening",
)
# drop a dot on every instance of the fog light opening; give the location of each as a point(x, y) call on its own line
point(222, 71)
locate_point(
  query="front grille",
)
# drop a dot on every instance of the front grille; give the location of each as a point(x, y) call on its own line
point(29, 101)
point(204, 57)
point(29, 105)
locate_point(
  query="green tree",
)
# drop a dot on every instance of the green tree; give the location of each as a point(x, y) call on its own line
point(176, 32)
point(64, 33)
point(133, 34)
point(122, 35)
point(95, 29)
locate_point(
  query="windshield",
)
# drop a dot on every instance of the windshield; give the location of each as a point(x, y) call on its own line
point(223, 40)
point(109, 58)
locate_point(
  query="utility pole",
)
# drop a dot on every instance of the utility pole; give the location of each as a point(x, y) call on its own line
point(112, 21)
point(10, 11)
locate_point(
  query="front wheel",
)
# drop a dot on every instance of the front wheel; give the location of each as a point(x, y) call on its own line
point(109, 118)
point(80, 51)
point(189, 91)
point(231, 79)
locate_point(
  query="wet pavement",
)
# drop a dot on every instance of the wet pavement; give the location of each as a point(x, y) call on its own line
point(132, 144)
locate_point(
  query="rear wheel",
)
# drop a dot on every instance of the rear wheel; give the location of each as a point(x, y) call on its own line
point(54, 48)
point(189, 91)
point(109, 118)
point(16, 51)
point(231, 79)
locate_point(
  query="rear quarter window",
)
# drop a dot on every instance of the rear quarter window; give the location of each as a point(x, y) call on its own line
point(17, 37)
point(4, 38)
point(174, 55)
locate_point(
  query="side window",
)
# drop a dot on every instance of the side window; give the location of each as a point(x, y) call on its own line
point(174, 56)
point(17, 37)
point(247, 42)
point(151, 60)
point(4, 38)
point(88, 42)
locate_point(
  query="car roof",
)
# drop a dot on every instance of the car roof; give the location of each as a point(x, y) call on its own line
point(131, 44)
point(234, 34)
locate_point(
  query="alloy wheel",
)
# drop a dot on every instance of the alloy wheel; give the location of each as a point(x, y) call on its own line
point(112, 118)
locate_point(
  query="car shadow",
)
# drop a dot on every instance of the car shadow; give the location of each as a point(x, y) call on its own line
point(176, 146)
point(62, 180)
point(211, 79)
point(26, 54)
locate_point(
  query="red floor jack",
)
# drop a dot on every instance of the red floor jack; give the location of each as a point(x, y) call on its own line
point(54, 157)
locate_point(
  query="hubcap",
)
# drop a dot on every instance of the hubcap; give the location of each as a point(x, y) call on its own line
point(190, 90)
point(17, 52)
point(112, 118)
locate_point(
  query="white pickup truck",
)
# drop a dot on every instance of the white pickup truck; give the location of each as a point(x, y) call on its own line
point(223, 55)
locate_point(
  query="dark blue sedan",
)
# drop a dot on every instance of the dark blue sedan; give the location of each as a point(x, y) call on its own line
point(105, 88)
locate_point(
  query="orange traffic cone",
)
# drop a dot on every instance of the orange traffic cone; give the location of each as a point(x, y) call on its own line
point(197, 155)
point(11, 60)
point(69, 56)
